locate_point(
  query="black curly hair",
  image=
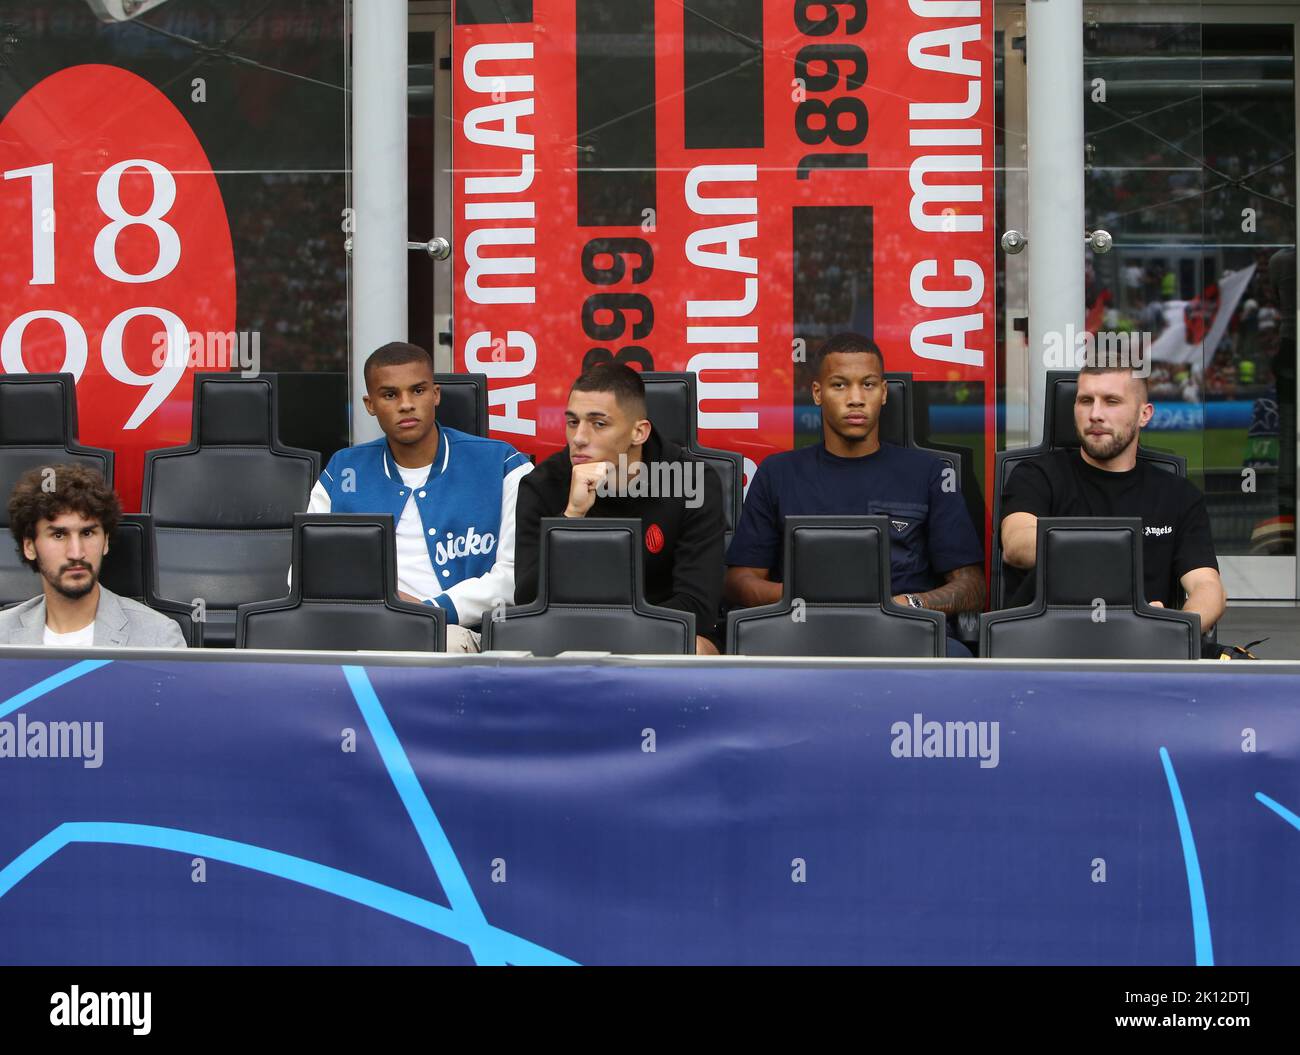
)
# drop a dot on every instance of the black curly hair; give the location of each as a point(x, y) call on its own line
point(47, 491)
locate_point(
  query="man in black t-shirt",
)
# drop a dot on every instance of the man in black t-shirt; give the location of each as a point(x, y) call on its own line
point(616, 465)
point(1106, 478)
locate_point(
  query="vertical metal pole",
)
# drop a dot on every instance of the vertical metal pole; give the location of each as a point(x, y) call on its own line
point(1016, 216)
point(443, 195)
point(1054, 42)
point(379, 282)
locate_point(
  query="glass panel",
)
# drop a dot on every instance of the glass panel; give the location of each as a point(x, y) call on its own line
point(194, 157)
point(718, 187)
point(1190, 167)
point(1249, 377)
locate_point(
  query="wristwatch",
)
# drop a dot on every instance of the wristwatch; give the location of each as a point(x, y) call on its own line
point(913, 600)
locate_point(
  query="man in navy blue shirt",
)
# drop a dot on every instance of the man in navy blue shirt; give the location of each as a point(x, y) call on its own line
point(936, 560)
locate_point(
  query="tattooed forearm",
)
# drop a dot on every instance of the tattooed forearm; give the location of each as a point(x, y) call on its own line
point(963, 592)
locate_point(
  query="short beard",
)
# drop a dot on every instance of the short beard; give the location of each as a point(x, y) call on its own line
point(72, 593)
point(1109, 447)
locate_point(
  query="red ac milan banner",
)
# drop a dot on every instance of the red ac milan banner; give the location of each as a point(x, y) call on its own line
point(119, 251)
point(716, 187)
point(173, 183)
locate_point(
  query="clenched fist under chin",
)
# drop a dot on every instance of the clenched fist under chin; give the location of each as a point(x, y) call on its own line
point(582, 489)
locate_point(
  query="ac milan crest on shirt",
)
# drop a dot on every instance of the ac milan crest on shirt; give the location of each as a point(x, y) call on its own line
point(654, 538)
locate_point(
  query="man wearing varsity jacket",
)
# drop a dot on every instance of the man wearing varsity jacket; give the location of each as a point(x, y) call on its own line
point(451, 495)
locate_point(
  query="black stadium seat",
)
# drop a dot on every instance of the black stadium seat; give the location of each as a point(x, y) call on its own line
point(898, 422)
point(344, 595)
point(1088, 603)
point(673, 409)
point(314, 411)
point(1058, 426)
point(463, 402)
point(836, 598)
point(590, 597)
point(905, 407)
point(223, 506)
point(130, 569)
point(38, 427)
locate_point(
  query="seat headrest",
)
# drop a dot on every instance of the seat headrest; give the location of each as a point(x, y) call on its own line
point(34, 413)
point(346, 560)
point(668, 406)
point(1084, 563)
point(1060, 410)
point(894, 414)
point(836, 563)
point(463, 402)
point(234, 412)
point(589, 564)
point(124, 569)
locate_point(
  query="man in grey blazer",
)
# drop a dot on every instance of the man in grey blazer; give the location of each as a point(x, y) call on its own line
point(62, 517)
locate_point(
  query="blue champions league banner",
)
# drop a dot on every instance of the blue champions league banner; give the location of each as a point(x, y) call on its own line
point(545, 812)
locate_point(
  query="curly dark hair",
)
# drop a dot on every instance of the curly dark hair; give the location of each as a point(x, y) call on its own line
point(47, 491)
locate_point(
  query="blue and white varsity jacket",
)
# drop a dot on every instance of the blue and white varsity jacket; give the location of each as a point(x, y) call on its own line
point(467, 509)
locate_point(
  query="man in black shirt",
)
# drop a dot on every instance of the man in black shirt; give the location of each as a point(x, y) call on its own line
point(616, 466)
point(1105, 478)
